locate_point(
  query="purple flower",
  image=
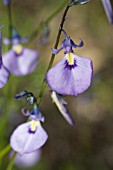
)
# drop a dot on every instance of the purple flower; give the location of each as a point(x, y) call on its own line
point(6, 2)
point(21, 61)
point(44, 37)
point(61, 105)
point(108, 9)
point(30, 136)
point(73, 74)
point(4, 73)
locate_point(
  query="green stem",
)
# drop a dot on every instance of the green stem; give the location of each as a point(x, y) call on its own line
point(10, 22)
point(42, 25)
point(11, 163)
point(5, 151)
point(53, 55)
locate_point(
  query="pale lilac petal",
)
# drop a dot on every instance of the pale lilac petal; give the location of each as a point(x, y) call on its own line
point(72, 81)
point(25, 113)
point(6, 2)
point(56, 51)
point(4, 76)
point(108, 9)
point(28, 160)
point(23, 141)
point(1, 25)
point(61, 105)
point(77, 46)
point(27, 62)
point(11, 62)
point(25, 40)
point(6, 41)
point(22, 64)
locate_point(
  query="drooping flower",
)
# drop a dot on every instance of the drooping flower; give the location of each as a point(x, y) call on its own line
point(30, 136)
point(108, 9)
point(20, 61)
point(27, 95)
point(61, 105)
point(4, 73)
point(44, 37)
point(73, 74)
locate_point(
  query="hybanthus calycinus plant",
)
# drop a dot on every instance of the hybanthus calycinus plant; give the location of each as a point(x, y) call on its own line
point(71, 76)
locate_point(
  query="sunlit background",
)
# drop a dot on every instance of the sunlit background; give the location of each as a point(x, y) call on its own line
point(89, 145)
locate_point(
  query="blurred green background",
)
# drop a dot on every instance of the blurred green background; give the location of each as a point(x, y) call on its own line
point(90, 144)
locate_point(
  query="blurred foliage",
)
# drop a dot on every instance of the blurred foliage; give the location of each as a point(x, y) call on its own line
point(90, 144)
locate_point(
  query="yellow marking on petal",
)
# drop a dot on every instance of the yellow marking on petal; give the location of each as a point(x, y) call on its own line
point(17, 48)
point(70, 58)
point(55, 99)
point(33, 125)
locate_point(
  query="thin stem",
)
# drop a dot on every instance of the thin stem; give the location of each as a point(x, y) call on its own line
point(42, 25)
point(53, 55)
point(10, 21)
point(5, 151)
point(11, 163)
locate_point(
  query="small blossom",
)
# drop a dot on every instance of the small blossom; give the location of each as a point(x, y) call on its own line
point(30, 136)
point(61, 105)
point(4, 73)
point(108, 9)
point(73, 74)
point(20, 61)
point(27, 95)
point(44, 37)
point(6, 2)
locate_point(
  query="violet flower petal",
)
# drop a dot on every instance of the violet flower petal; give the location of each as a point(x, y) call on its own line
point(61, 105)
point(25, 40)
point(108, 10)
point(56, 51)
point(6, 2)
point(70, 80)
point(4, 73)
point(79, 45)
point(6, 41)
point(23, 141)
point(25, 113)
point(4, 76)
point(22, 64)
point(28, 160)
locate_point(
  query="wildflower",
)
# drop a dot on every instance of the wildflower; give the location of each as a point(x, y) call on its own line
point(6, 2)
point(44, 37)
point(73, 74)
point(4, 73)
point(20, 61)
point(61, 105)
point(108, 9)
point(30, 136)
